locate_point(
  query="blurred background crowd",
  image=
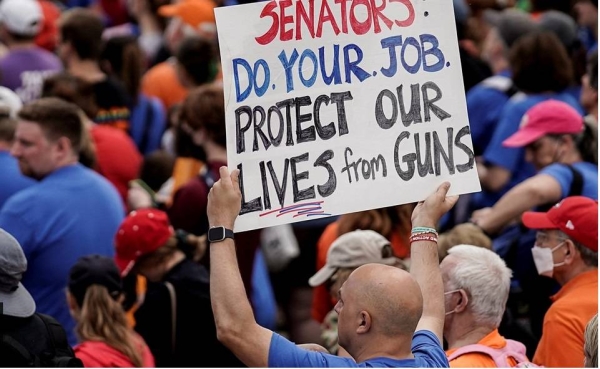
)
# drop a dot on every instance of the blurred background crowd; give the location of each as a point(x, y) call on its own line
point(141, 82)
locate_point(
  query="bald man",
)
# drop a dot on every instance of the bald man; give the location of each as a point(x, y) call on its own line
point(387, 317)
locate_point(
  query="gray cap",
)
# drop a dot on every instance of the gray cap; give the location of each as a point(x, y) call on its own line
point(352, 250)
point(561, 24)
point(510, 23)
point(15, 298)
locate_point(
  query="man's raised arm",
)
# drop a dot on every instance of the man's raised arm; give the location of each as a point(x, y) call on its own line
point(424, 265)
point(236, 327)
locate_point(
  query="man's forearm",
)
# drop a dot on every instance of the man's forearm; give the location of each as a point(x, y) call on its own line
point(230, 305)
point(424, 267)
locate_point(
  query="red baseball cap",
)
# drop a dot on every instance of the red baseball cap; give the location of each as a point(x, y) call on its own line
point(548, 117)
point(142, 232)
point(576, 216)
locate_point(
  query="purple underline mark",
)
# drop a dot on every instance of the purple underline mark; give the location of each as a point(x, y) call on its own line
point(307, 209)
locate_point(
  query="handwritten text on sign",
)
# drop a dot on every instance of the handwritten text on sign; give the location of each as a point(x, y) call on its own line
point(337, 106)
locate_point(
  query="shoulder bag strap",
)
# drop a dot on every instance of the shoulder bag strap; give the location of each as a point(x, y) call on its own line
point(576, 188)
point(173, 297)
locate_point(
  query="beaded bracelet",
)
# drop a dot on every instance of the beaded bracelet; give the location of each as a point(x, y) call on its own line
point(416, 230)
point(431, 238)
point(422, 233)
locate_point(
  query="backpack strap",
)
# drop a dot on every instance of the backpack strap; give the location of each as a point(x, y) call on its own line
point(516, 350)
point(500, 356)
point(576, 188)
point(10, 344)
point(60, 353)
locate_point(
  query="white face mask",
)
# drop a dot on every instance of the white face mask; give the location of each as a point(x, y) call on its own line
point(544, 262)
point(447, 293)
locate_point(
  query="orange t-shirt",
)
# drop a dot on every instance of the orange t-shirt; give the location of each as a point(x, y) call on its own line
point(322, 302)
point(481, 360)
point(161, 81)
point(573, 306)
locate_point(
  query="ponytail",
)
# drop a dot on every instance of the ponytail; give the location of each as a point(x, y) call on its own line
point(102, 319)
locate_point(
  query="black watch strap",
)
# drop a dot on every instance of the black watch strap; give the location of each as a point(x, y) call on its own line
point(218, 234)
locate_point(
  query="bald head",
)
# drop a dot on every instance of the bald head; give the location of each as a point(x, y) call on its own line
point(390, 295)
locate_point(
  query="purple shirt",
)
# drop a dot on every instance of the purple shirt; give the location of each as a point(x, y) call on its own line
point(23, 71)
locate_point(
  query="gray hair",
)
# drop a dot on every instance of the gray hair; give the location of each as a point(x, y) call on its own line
point(590, 347)
point(589, 257)
point(485, 278)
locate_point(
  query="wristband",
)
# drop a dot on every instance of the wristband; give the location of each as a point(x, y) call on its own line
point(417, 230)
point(431, 238)
point(422, 233)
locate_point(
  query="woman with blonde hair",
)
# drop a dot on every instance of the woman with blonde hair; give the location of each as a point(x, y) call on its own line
point(94, 296)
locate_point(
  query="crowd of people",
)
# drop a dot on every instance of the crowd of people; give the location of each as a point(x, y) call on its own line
point(117, 206)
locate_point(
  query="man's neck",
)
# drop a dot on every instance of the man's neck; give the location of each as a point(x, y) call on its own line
point(499, 65)
point(576, 270)
point(5, 146)
point(571, 157)
point(470, 334)
point(19, 45)
point(87, 70)
point(215, 152)
point(397, 348)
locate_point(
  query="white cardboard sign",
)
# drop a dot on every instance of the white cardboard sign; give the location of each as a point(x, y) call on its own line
point(338, 106)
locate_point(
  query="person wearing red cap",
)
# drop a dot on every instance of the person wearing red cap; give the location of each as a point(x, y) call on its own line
point(566, 249)
point(176, 313)
point(561, 147)
point(563, 150)
point(541, 70)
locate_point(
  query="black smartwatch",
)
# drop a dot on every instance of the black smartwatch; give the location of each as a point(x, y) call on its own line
point(218, 234)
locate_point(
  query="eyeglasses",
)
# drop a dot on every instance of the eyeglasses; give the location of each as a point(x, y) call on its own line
point(542, 237)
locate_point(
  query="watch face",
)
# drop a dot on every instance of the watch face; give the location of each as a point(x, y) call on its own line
point(216, 234)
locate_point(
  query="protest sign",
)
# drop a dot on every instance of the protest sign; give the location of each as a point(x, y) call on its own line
point(337, 106)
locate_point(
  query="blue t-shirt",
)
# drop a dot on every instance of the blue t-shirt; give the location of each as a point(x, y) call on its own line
point(70, 213)
point(513, 159)
point(426, 348)
point(147, 124)
point(564, 176)
point(11, 179)
point(484, 105)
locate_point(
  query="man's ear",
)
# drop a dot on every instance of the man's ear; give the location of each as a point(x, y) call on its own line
point(364, 322)
point(463, 301)
point(64, 147)
point(570, 252)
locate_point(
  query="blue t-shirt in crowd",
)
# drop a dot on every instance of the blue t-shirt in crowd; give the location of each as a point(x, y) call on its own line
point(513, 159)
point(426, 348)
point(72, 212)
point(484, 105)
point(564, 176)
point(11, 179)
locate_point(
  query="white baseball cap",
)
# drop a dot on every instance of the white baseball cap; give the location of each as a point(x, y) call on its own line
point(10, 101)
point(352, 250)
point(21, 17)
